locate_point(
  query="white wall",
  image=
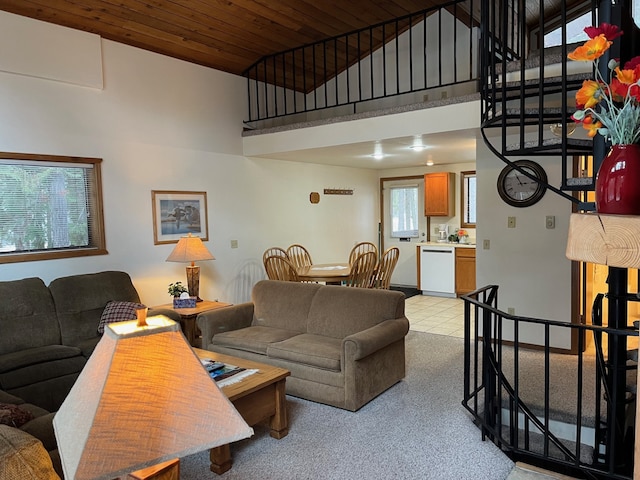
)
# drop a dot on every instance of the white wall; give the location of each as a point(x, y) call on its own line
point(527, 262)
point(164, 124)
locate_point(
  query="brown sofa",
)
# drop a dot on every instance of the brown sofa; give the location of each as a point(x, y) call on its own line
point(343, 346)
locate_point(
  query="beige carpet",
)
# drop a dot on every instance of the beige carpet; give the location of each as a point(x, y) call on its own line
point(418, 430)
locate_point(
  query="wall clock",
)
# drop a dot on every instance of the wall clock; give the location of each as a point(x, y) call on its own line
point(518, 190)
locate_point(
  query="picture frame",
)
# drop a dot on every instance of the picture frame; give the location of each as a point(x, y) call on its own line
point(178, 213)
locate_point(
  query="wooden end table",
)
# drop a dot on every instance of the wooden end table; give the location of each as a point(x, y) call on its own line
point(188, 318)
point(258, 397)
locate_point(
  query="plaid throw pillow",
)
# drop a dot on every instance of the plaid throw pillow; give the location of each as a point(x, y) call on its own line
point(13, 415)
point(117, 311)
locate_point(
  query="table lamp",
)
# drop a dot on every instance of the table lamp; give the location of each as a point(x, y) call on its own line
point(142, 398)
point(191, 249)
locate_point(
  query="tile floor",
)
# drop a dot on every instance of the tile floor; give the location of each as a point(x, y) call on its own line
point(442, 316)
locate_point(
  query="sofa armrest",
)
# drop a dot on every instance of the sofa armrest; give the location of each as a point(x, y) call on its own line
point(366, 342)
point(167, 312)
point(224, 319)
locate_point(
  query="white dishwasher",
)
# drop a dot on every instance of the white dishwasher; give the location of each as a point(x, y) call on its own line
point(438, 270)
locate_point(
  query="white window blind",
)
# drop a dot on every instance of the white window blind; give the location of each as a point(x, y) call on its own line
point(48, 206)
point(404, 211)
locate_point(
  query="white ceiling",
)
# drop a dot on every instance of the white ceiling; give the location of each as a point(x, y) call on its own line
point(441, 148)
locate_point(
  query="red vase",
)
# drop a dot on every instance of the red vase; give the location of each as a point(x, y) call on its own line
point(618, 181)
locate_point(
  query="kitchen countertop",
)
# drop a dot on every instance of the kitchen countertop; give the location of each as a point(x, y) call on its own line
point(447, 244)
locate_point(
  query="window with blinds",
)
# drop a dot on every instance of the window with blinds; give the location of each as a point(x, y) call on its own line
point(50, 207)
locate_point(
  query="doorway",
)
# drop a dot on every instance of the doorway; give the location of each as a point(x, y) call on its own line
point(406, 271)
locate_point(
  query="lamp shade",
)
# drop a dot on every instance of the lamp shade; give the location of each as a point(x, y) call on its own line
point(142, 398)
point(190, 249)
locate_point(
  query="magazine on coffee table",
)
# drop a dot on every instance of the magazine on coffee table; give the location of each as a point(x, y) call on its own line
point(226, 374)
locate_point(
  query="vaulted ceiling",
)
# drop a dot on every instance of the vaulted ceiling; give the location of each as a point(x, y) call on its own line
point(225, 35)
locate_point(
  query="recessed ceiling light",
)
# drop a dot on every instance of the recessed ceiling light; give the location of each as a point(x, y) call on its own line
point(417, 148)
point(429, 163)
point(377, 152)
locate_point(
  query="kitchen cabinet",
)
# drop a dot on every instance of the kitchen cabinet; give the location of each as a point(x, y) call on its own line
point(465, 270)
point(438, 194)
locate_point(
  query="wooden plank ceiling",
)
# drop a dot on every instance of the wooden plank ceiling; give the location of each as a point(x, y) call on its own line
point(221, 34)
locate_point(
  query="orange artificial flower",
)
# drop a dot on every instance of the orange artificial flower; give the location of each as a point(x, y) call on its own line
point(625, 76)
point(587, 96)
point(592, 49)
point(592, 128)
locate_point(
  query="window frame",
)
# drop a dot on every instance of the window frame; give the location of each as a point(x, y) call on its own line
point(96, 226)
point(463, 195)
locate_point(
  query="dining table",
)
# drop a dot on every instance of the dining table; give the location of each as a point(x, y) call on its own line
point(329, 273)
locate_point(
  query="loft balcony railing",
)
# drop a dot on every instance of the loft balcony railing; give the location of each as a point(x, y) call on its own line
point(434, 48)
point(573, 414)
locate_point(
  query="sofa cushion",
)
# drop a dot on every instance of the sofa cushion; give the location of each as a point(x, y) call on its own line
point(13, 415)
point(252, 339)
point(36, 356)
point(27, 316)
point(80, 300)
point(42, 428)
point(8, 398)
point(339, 311)
point(41, 372)
point(118, 311)
point(23, 456)
point(290, 309)
point(314, 350)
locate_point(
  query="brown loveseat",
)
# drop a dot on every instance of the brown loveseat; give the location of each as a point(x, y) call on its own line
point(343, 346)
point(47, 333)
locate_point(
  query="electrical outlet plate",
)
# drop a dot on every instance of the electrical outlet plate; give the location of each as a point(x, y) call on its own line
point(511, 311)
point(234, 243)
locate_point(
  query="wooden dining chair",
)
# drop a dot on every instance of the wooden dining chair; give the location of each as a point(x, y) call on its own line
point(299, 256)
point(362, 247)
point(280, 268)
point(389, 260)
point(274, 251)
point(362, 270)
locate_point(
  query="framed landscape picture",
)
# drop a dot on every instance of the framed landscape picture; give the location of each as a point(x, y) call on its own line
point(176, 214)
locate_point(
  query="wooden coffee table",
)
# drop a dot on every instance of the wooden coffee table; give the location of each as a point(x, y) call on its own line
point(258, 398)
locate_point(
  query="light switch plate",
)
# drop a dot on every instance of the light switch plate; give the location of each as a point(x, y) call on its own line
point(550, 222)
point(511, 222)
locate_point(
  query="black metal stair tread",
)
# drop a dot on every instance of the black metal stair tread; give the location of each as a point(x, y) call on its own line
point(530, 116)
point(552, 55)
point(551, 146)
point(548, 142)
point(580, 181)
point(515, 85)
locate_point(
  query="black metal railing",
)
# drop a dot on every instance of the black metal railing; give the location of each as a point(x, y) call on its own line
point(567, 413)
point(437, 47)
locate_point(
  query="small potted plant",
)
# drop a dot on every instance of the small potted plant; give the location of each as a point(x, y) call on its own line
point(176, 290)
